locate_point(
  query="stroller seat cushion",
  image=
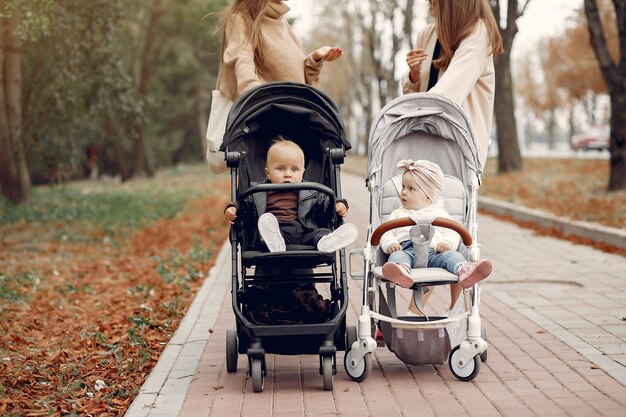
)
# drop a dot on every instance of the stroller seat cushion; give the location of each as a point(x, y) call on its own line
point(424, 276)
point(301, 256)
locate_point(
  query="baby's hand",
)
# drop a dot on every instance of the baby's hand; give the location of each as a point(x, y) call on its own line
point(442, 247)
point(231, 214)
point(394, 247)
point(341, 210)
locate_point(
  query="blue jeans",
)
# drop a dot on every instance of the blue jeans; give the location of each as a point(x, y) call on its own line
point(449, 260)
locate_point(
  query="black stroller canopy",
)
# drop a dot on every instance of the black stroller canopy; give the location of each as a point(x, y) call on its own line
point(290, 109)
point(296, 111)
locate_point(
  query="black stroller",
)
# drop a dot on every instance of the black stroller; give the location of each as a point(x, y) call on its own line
point(311, 119)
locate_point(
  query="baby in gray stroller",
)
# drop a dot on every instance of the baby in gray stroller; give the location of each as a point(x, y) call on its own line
point(422, 184)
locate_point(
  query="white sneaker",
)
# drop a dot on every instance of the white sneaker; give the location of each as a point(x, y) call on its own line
point(340, 238)
point(270, 233)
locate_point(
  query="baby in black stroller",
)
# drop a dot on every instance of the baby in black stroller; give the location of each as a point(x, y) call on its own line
point(291, 216)
point(290, 190)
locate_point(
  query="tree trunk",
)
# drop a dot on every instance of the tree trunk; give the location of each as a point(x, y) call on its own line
point(14, 176)
point(509, 156)
point(551, 129)
point(617, 144)
point(149, 57)
point(114, 141)
point(614, 76)
point(202, 109)
point(571, 119)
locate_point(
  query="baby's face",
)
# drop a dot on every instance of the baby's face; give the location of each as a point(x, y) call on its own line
point(412, 197)
point(284, 165)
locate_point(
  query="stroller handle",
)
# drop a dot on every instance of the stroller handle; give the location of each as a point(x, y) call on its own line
point(406, 221)
point(290, 187)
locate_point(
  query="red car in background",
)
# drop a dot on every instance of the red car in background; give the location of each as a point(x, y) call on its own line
point(597, 137)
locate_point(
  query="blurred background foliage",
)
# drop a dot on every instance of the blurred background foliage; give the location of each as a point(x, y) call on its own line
point(122, 88)
point(123, 84)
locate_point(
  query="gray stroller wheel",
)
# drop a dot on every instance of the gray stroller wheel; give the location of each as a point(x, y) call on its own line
point(362, 370)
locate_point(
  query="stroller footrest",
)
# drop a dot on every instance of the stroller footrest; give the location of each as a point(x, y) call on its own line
point(288, 259)
point(424, 276)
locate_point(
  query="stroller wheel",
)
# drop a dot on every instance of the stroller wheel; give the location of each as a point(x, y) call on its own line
point(362, 369)
point(351, 336)
point(463, 373)
point(327, 372)
point(483, 334)
point(231, 350)
point(256, 371)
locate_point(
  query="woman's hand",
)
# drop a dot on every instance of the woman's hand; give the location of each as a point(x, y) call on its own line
point(326, 53)
point(231, 214)
point(341, 210)
point(394, 247)
point(414, 59)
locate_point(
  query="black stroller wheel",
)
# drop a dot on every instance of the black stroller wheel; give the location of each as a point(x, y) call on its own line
point(483, 334)
point(327, 372)
point(231, 350)
point(256, 372)
point(351, 336)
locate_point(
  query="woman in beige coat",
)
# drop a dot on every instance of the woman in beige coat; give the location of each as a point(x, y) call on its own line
point(454, 57)
point(469, 38)
point(259, 46)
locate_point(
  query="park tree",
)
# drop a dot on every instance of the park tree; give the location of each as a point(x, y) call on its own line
point(538, 90)
point(21, 21)
point(509, 155)
point(614, 73)
point(372, 33)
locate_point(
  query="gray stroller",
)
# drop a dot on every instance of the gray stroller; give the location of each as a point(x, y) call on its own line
point(420, 126)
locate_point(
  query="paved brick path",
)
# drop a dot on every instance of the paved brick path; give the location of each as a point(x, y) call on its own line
point(554, 313)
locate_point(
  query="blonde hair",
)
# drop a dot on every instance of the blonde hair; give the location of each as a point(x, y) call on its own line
point(251, 11)
point(456, 19)
point(285, 143)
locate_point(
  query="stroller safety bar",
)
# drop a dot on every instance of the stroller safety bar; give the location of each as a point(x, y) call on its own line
point(439, 221)
point(290, 187)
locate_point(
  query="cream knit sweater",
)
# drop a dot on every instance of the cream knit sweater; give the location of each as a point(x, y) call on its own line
point(285, 60)
point(469, 80)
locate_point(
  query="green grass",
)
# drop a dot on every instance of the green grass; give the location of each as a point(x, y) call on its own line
point(109, 206)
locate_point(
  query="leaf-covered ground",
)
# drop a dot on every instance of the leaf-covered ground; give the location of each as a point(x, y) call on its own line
point(94, 282)
point(95, 277)
point(573, 188)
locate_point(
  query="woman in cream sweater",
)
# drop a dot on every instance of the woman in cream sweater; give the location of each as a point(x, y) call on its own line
point(259, 46)
point(468, 38)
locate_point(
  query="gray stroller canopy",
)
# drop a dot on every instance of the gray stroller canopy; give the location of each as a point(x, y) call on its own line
point(422, 126)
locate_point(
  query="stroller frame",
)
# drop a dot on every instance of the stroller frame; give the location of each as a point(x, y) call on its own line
point(463, 359)
point(274, 269)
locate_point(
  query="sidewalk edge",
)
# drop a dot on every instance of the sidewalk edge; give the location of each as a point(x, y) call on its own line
point(601, 234)
point(189, 333)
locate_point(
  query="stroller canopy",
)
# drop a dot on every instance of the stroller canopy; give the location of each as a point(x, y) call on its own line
point(422, 126)
point(298, 111)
